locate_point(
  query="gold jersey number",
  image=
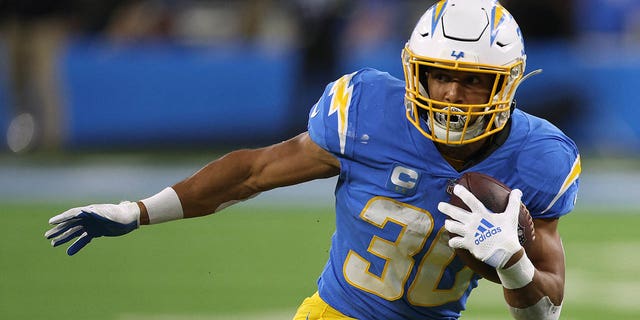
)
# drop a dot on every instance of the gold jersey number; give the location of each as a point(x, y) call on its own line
point(416, 226)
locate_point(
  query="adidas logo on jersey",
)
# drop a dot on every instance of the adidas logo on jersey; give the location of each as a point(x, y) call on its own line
point(485, 230)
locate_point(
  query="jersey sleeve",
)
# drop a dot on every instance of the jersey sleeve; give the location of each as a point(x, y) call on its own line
point(332, 119)
point(550, 169)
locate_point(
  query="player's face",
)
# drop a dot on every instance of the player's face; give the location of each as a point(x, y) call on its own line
point(458, 87)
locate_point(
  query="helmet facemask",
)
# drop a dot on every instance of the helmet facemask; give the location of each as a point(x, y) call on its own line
point(458, 124)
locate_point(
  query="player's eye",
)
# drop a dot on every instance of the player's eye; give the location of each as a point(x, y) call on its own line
point(441, 77)
point(477, 82)
point(472, 80)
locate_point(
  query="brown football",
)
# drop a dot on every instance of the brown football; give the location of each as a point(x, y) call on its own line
point(495, 196)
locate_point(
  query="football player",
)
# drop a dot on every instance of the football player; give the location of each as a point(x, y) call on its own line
point(396, 146)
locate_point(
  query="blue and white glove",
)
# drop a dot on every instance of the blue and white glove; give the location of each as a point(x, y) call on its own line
point(490, 237)
point(93, 221)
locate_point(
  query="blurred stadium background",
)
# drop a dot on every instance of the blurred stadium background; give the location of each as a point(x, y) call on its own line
point(102, 101)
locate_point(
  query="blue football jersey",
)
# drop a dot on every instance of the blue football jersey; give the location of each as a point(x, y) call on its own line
point(389, 257)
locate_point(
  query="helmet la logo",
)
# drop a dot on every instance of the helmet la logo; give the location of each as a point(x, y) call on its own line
point(457, 55)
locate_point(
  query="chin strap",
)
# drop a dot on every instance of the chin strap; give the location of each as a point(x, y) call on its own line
point(440, 131)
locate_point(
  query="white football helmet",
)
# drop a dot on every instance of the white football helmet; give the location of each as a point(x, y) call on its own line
point(471, 36)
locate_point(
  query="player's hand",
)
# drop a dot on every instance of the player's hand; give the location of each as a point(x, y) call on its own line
point(490, 237)
point(91, 222)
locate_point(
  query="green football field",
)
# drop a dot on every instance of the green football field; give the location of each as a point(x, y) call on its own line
point(259, 263)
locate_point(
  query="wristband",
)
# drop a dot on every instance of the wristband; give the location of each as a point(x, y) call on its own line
point(163, 206)
point(518, 275)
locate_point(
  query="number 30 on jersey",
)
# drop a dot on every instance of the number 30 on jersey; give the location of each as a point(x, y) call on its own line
point(416, 226)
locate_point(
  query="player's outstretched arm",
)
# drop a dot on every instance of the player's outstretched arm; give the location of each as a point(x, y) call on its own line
point(234, 177)
point(243, 174)
point(533, 282)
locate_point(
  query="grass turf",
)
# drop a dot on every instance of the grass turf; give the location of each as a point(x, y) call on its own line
point(250, 260)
